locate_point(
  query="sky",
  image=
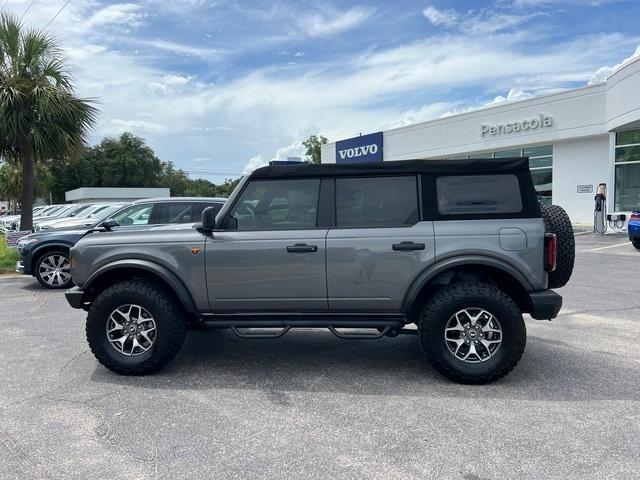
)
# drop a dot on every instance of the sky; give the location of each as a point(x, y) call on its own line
point(220, 87)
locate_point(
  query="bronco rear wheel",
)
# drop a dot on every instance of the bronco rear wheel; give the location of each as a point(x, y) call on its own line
point(472, 332)
point(135, 327)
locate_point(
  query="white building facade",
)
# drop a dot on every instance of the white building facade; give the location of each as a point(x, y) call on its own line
point(575, 140)
point(114, 194)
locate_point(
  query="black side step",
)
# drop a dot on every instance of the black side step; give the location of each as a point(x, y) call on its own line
point(385, 325)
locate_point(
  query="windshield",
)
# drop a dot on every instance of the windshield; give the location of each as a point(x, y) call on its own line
point(79, 211)
point(91, 210)
point(105, 212)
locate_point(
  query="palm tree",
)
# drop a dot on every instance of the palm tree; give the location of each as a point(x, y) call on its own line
point(40, 117)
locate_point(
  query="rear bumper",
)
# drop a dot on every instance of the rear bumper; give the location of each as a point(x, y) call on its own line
point(75, 297)
point(545, 304)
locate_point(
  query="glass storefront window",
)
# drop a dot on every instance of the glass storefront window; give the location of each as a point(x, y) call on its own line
point(544, 151)
point(543, 180)
point(540, 162)
point(508, 153)
point(628, 137)
point(481, 155)
point(627, 171)
point(627, 193)
point(628, 154)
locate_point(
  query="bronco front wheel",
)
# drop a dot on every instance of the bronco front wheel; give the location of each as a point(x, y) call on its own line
point(135, 327)
point(472, 332)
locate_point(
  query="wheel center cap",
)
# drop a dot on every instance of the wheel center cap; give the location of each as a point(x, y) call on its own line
point(472, 334)
point(132, 329)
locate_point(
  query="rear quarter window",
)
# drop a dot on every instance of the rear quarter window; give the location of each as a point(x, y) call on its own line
point(478, 194)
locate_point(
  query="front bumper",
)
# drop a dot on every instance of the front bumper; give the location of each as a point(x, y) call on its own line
point(545, 304)
point(75, 298)
point(19, 266)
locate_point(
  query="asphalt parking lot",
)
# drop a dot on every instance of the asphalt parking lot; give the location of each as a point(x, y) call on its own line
point(310, 405)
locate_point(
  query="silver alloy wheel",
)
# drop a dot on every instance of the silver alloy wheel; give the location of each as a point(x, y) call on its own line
point(473, 335)
point(131, 330)
point(55, 270)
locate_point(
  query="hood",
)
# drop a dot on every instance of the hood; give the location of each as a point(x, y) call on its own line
point(184, 232)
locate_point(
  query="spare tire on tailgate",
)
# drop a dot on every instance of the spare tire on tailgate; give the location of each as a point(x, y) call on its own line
point(557, 221)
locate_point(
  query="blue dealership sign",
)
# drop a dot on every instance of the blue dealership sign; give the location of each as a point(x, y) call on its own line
point(365, 148)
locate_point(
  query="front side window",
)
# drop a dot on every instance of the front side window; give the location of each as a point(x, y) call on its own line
point(627, 170)
point(277, 205)
point(376, 202)
point(478, 194)
point(134, 215)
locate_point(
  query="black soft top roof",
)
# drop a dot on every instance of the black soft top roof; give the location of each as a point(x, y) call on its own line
point(476, 165)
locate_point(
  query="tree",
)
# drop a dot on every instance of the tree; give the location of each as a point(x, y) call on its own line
point(40, 117)
point(313, 145)
point(125, 161)
point(11, 181)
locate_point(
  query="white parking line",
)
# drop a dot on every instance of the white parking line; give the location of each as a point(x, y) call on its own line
point(609, 246)
point(581, 233)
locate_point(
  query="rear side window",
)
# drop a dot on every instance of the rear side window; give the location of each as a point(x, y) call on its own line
point(376, 202)
point(478, 194)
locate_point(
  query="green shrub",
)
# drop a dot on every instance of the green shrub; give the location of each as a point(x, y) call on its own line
point(8, 257)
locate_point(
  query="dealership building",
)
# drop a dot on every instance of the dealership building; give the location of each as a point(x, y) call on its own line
point(575, 140)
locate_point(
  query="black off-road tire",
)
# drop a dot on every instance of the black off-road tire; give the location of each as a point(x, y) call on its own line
point(42, 258)
point(557, 221)
point(170, 322)
point(636, 244)
point(451, 299)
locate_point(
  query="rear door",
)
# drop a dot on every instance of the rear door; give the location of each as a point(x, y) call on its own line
point(379, 245)
point(270, 254)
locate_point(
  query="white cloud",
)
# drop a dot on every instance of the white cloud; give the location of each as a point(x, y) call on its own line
point(180, 48)
point(439, 18)
point(177, 79)
point(328, 23)
point(118, 125)
point(422, 114)
point(513, 95)
point(254, 163)
point(123, 14)
point(294, 149)
point(476, 22)
point(605, 72)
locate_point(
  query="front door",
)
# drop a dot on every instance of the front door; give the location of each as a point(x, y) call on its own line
point(379, 245)
point(269, 256)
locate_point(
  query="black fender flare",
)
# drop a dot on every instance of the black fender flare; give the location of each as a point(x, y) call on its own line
point(460, 261)
point(172, 280)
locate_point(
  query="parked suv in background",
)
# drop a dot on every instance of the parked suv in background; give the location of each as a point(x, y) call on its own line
point(458, 247)
point(45, 255)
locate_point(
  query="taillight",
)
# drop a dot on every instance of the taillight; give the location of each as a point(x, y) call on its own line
point(635, 217)
point(550, 251)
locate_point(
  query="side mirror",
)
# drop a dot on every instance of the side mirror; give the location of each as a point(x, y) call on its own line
point(109, 224)
point(209, 218)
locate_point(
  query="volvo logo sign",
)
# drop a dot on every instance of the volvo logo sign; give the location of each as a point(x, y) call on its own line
point(365, 148)
point(541, 121)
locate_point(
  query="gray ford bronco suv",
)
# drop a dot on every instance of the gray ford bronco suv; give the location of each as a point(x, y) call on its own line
point(461, 248)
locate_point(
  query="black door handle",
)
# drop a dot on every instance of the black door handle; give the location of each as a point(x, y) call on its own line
point(302, 248)
point(408, 246)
